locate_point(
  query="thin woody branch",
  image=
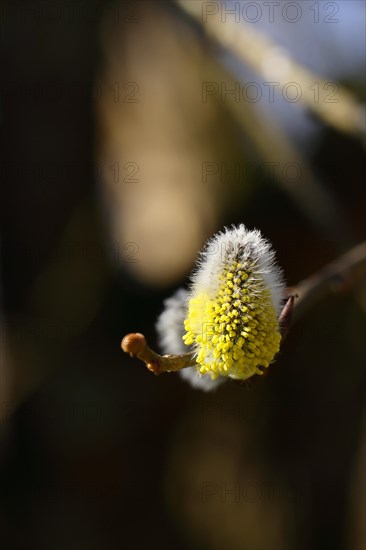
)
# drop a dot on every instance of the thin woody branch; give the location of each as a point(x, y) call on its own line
point(135, 344)
point(338, 276)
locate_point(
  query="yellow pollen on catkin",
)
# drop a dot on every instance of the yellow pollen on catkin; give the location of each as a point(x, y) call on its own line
point(236, 330)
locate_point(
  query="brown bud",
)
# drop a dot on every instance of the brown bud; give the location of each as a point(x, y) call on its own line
point(133, 343)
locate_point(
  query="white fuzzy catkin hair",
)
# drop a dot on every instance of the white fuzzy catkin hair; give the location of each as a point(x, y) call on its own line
point(170, 330)
point(238, 244)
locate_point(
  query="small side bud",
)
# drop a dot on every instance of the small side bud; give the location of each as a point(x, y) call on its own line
point(286, 315)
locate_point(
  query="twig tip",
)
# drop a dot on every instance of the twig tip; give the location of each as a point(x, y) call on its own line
point(133, 343)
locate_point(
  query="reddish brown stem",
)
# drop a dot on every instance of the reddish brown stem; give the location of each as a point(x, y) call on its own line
point(135, 344)
point(338, 276)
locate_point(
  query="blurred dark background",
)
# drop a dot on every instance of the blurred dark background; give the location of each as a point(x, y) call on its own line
point(114, 171)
